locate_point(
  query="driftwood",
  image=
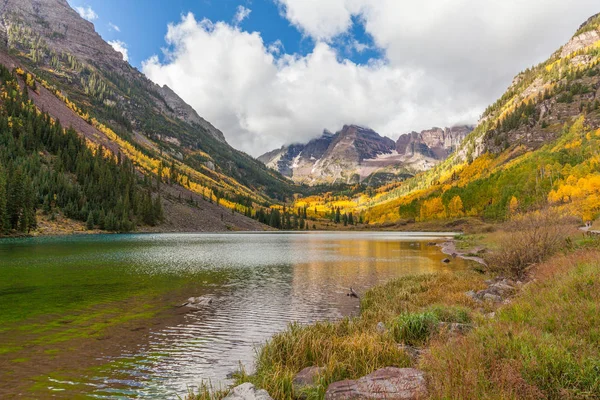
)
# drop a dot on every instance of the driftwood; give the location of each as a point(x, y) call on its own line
point(353, 294)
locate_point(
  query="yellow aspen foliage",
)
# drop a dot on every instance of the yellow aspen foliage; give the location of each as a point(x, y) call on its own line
point(513, 205)
point(455, 207)
point(432, 209)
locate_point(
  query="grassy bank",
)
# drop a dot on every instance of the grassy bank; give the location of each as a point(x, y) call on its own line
point(545, 344)
point(542, 343)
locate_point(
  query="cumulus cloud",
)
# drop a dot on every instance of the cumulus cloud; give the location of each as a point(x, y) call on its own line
point(241, 14)
point(121, 47)
point(443, 63)
point(113, 27)
point(86, 12)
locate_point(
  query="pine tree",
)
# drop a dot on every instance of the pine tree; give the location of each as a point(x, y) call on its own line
point(3, 219)
point(90, 221)
point(15, 195)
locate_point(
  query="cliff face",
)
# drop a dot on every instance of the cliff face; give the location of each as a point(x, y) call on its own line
point(355, 154)
point(48, 29)
point(436, 143)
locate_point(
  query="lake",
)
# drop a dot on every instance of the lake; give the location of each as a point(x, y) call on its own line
point(98, 316)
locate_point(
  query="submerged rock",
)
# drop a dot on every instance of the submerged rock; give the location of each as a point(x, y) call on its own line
point(247, 391)
point(306, 378)
point(387, 383)
point(197, 302)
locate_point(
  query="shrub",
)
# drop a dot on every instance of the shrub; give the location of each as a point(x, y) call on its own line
point(415, 328)
point(530, 239)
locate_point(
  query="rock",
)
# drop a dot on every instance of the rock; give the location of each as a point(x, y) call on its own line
point(306, 378)
point(580, 42)
point(502, 287)
point(492, 297)
point(247, 391)
point(387, 383)
point(197, 302)
point(413, 352)
point(446, 260)
point(381, 329)
point(471, 294)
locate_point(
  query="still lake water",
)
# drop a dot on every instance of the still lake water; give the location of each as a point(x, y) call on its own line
point(97, 316)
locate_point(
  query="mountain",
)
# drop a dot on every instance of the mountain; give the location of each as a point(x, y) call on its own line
point(357, 154)
point(71, 73)
point(535, 147)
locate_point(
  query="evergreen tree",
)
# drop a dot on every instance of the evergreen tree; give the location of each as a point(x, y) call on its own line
point(90, 221)
point(3, 219)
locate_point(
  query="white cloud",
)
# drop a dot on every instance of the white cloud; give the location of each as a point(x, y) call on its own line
point(443, 63)
point(241, 14)
point(357, 46)
point(121, 47)
point(86, 12)
point(113, 27)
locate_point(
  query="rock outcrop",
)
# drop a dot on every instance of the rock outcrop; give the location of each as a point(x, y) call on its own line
point(436, 143)
point(387, 383)
point(580, 42)
point(247, 391)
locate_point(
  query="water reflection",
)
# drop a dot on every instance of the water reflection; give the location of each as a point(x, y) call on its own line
point(260, 283)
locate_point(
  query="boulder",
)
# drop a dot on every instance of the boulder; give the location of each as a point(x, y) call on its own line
point(247, 391)
point(387, 383)
point(492, 297)
point(502, 287)
point(306, 378)
point(381, 329)
point(471, 294)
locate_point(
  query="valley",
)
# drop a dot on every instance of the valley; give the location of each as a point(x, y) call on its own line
point(144, 255)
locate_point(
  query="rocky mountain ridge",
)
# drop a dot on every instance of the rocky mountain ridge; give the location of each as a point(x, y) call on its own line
point(358, 154)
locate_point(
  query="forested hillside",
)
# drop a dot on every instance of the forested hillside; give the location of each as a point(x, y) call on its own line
point(48, 168)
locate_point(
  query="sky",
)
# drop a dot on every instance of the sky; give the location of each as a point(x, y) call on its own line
point(274, 72)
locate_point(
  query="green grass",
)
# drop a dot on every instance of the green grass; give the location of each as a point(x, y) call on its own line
point(546, 344)
point(415, 328)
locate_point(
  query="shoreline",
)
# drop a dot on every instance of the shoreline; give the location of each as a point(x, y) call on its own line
point(449, 249)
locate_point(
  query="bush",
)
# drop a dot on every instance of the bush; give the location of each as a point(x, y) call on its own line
point(415, 328)
point(530, 239)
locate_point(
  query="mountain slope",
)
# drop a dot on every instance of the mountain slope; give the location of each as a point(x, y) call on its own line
point(536, 146)
point(357, 154)
point(80, 80)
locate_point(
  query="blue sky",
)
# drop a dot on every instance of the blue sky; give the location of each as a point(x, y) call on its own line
point(143, 25)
